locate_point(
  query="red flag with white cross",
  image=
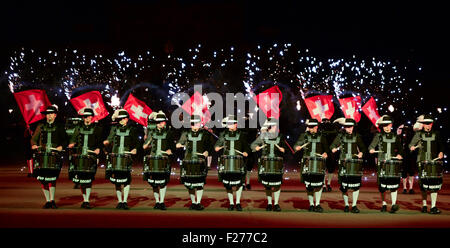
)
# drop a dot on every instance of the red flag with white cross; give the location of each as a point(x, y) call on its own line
point(350, 107)
point(320, 107)
point(91, 99)
point(370, 109)
point(198, 105)
point(269, 101)
point(31, 103)
point(138, 110)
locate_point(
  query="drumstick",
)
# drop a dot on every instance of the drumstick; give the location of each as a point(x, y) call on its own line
point(377, 151)
point(435, 159)
point(239, 152)
point(54, 149)
point(301, 147)
point(320, 155)
point(200, 154)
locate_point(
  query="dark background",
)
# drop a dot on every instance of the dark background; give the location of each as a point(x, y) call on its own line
point(395, 31)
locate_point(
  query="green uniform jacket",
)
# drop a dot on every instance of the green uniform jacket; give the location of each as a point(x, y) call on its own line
point(429, 142)
point(349, 143)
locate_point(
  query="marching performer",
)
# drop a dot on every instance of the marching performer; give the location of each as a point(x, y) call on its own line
point(47, 141)
point(197, 143)
point(328, 129)
point(87, 137)
point(389, 149)
point(429, 159)
point(235, 146)
point(314, 146)
point(123, 138)
point(161, 144)
point(350, 145)
point(272, 145)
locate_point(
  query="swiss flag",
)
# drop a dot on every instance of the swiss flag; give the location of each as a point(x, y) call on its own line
point(31, 103)
point(350, 107)
point(269, 101)
point(320, 106)
point(138, 110)
point(196, 105)
point(91, 99)
point(370, 109)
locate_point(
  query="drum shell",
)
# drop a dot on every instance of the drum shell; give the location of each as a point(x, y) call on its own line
point(269, 165)
point(193, 168)
point(391, 168)
point(114, 165)
point(156, 164)
point(226, 165)
point(431, 169)
point(84, 163)
point(49, 161)
point(314, 165)
point(352, 167)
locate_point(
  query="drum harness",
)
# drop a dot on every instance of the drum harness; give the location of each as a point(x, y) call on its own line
point(349, 154)
point(48, 145)
point(158, 138)
point(122, 136)
point(86, 134)
point(313, 142)
point(194, 143)
point(387, 154)
point(231, 151)
point(428, 140)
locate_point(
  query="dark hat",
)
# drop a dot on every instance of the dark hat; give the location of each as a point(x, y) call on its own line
point(349, 122)
point(427, 119)
point(312, 122)
point(160, 116)
point(50, 109)
point(384, 120)
point(85, 112)
point(231, 119)
point(195, 119)
point(122, 114)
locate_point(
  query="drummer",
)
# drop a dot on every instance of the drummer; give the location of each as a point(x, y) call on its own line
point(123, 138)
point(234, 142)
point(351, 146)
point(314, 145)
point(49, 137)
point(88, 137)
point(197, 142)
point(389, 148)
point(431, 148)
point(161, 143)
point(272, 183)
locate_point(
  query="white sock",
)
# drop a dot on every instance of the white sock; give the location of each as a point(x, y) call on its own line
point(394, 197)
point(46, 194)
point(311, 198)
point(126, 190)
point(52, 193)
point(345, 199)
point(424, 198)
point(433, 199)
point(119, 195)
point(156, 195)
point(411, 181)
point(276, 195)
point(192, 195)
point(318, 195)
point(199, 195)
point(355, 198)
point(162, 194)
point(269, 197)
point(383, 197)
point(404, 183)
point(238, 194)
point(230, 198)
point(88, 193)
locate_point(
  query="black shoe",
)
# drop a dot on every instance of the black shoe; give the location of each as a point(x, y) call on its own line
point(324, 189)
point(276, 208)
point(157, 206)
point(311, 208)
point(404, 191)
point(269, 207)
point(125, 206)
point(54, 205)
point(162, 206)
point(119, 205)
point(199, 207)
point(394, 208)
point(318, 209)
point(249, 187)
point(411, 191)
point(346, 209)
point(83, 205)
point(231, 207)
point(355, 210)
point(193, 206)
point(238, 207)
point(424, 209)
point(329, 188)
point(87, 205)
point(383, 208)
point(435, 210)
point(47, 205)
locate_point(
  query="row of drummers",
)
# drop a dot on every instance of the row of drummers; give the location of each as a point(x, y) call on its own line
point(198, 145)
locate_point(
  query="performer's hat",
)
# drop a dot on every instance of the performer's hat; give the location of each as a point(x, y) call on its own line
point(325, 120)
point(85, 112)
point(120, 114)
point(383, 120)
point(50, 109)
point(345, 121)
point(427, 119)
point(231, 119)
point(312, 122)
point(195, 119)
point(270, 122)
point(160, 116)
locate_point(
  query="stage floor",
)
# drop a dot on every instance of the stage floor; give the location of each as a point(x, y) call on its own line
point(21, 201)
